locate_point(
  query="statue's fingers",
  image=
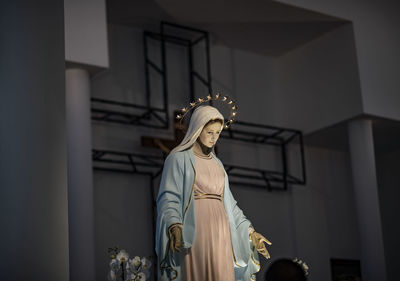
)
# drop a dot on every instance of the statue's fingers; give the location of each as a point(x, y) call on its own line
point(178, 246)
point(171, 245)
point(261, 249)
point(264, 252)
point(263, 239)
point(266, 255)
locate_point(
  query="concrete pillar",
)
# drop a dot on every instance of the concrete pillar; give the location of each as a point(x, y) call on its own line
point(80, 175)
point(362, 154)
point(33, 142)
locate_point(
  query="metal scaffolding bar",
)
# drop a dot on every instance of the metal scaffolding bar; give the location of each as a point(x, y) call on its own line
point(151, 165)
point(191, 42)
point(128, 114)
point(153, 117)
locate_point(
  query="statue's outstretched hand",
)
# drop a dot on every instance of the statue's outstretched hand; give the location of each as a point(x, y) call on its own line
point(258, 242)
point(175, 238)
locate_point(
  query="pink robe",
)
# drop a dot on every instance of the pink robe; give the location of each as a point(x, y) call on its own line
point(210, 257)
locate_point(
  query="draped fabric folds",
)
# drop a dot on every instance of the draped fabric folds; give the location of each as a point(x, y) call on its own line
point(211, 254)
point(175, 206)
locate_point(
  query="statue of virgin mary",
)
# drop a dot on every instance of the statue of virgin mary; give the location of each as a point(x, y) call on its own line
point(201, 233)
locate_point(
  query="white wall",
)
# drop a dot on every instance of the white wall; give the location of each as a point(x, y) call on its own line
point(325, 215)
point(303, 222)
point(249, 78)
point(318, 83)
point(86, 32)
point(123, 217)
point(377, 40)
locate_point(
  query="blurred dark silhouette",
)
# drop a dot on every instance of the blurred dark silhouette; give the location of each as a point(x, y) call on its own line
point(285, 270)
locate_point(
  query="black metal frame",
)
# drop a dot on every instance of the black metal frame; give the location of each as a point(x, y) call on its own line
point(147, 115)
point(152, 117)
point(151, 165)
point(118, 161)
point(129, 163)
point(133, 114)
point(266, 135)
point(128, 113)
point(201, 35)
point(132, 163)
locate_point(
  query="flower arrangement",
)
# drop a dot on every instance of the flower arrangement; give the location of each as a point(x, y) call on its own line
point(136, 269)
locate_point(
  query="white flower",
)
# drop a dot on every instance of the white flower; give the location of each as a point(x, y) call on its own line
point(146, 263)
point(111, 276)
point(122, 256)
point(136, 261)
point(142, 276)
point(114, 264)
point(134, 264)
point(131, 276)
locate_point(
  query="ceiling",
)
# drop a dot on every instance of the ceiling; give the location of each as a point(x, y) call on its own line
point(261, 26)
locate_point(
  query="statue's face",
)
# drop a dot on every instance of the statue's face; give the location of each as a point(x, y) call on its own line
point(210, 134)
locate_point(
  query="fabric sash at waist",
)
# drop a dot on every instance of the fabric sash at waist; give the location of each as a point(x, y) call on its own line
point(198, 196)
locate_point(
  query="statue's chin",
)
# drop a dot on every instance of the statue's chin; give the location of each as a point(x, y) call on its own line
point(206, 149)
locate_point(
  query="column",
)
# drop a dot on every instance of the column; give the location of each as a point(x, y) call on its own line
point(80, 175)
point(362, 154)
point(33, 142)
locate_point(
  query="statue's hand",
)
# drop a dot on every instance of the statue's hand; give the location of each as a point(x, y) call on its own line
point(175, 238)
point(258, 242)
